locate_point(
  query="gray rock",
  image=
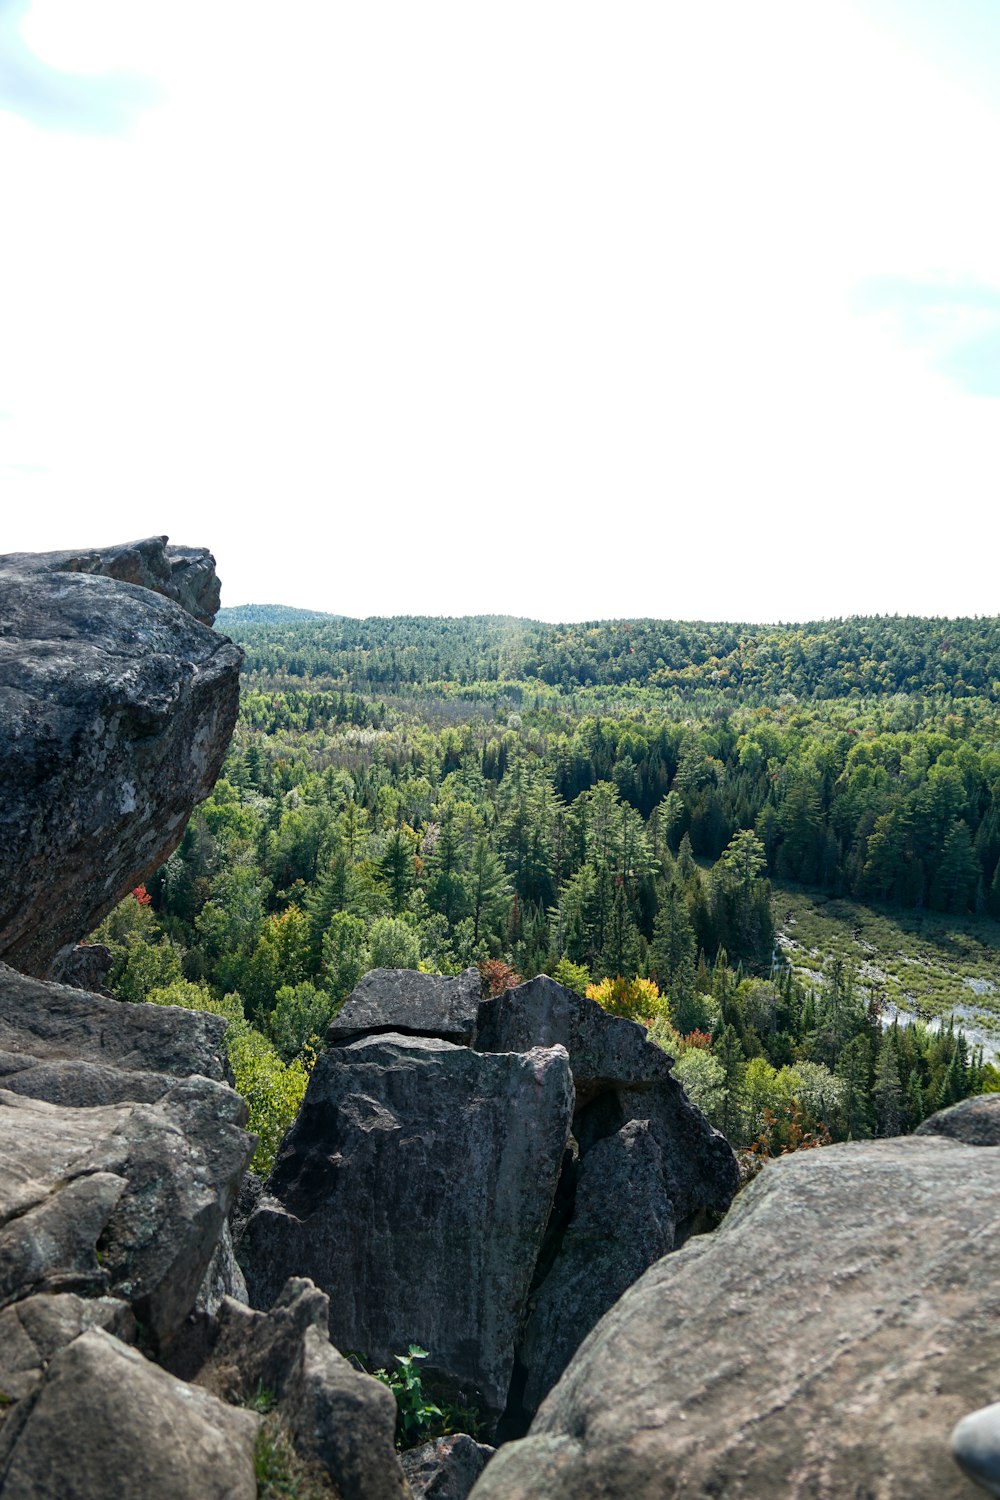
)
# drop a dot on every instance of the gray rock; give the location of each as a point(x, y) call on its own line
point(341, 1419)
point(974, 1121)
point(33, 1331)
point(823, 1342)
point(186, 574)
point(105, 1422)
point(414, 1187)
point(223, 1278)
point(253, 1351)
point(605, 1052)
point(86, 967)
point(79, 1084)
point(447, 1468)
point(976, 1446)
point(127, 1198)
point(412, 1004)
point(116, 708)
point(346, 1420)
point(53, 1023)
point(619, 1075)
point(622, 1222)
point(699, 1169)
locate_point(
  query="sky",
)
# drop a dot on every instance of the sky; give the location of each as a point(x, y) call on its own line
point(558, 309)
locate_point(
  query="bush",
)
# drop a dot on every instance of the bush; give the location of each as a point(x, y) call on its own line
point(635, 999)
point(301, 1015)
point(273, 1090)
point(392, 944)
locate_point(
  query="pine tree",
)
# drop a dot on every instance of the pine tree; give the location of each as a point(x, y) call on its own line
point(887, 1093)
point(673, 960)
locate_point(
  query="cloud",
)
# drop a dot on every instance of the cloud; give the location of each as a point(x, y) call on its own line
point(54, 99)
point(956, 323)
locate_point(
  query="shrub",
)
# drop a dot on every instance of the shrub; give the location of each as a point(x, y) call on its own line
point(635, 999)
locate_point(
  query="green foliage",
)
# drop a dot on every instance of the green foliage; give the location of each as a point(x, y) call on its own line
point(573, 976)
point(703, 1079)
point(392, 944)
point(300, 1017)
point(345, 954)
point(143, 958)
point(281, 1473)
point(420, 1419)
point(273, 1089)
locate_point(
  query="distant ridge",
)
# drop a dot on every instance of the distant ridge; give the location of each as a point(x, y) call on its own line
point(236, 615)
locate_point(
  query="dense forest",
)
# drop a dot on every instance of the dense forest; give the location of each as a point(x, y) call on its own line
point(743, 663)
point(607, 803)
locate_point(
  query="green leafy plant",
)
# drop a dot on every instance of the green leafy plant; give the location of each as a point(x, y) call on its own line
point(419, 1417)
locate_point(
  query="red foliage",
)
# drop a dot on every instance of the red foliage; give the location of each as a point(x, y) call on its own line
point(142, 896)
point(700, 1039)
point(496, 977)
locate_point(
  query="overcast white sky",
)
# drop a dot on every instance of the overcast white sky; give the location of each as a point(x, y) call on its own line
point(557, 308)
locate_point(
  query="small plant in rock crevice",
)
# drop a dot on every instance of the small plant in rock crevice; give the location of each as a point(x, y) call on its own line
point(420, 1419)
point(281, 1473)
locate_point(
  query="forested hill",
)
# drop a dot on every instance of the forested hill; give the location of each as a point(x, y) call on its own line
point(243, 616)
point(857, 657)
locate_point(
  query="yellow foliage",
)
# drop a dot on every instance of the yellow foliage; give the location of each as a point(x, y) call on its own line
point(635, 999)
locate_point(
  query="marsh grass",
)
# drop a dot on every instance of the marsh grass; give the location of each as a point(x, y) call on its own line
point(919, 961)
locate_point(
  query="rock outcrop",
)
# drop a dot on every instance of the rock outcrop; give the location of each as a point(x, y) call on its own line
point(415, 1187)
point(186, 574)
point(123, 1145)
point(489, 1202)
point(823, 1342)
point(116, 708)
point(126, 1199)
point(105, 1421)
point(341, 1420)
point(446, 1469)
point(975, 1121)
point(412, 1004)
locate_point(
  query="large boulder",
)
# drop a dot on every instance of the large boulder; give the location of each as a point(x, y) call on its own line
point(45, 1023)
point(105, 1421)
point(186, 574)
point(646, 1172)
point(127, 1199)
point(975, 1121)
point(823, 1342)
point(605, 1052)
point(415, 1187)
point(619, 1075)
point(622, 1222)
point(412, 1004)
point(116, 708)
point(32, 1333)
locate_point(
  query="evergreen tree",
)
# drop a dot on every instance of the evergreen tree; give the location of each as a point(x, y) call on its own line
point(672, 956)
point(887, 1094)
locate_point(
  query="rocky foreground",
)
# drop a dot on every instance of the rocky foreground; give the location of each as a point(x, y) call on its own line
point(485, 1177)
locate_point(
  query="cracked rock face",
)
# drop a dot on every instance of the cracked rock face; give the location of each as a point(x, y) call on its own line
point(126, 1199)
point(414, 1188)
point(116, 708)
